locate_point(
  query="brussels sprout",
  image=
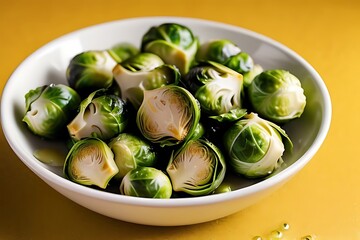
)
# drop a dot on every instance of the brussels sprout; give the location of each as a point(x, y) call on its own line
point(122, 51)
point(219, 50)
point(168, 115)
point(218, 88)
point(198, 132)
point(49, 108)
point(133, 84)
point(277, 95)
point(241, 62)
point(174, 43)
point(103, 116)
point(197, 168)
point(255, 146)
point(249, 76)
point(146, 182)
point(90, 162)
point(90, 70)
point(142, 62)
point(131, 151)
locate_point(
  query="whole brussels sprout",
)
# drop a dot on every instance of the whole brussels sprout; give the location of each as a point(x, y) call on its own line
point(241, 62)
point(244, 64)
point(172, 42)
point(101, 115)
point(147, 182)
point(218, 50)
point(90, 70)
point(230, 55)
point(197, 168)
point(277, 95)
point(90, 162)
point(131, 151)
point(49, 109)
point(254, 146)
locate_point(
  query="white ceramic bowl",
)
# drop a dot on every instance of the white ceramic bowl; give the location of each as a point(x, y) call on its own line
point(48, 64)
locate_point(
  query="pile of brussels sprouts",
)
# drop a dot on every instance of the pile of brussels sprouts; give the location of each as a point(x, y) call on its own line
point(169, 118)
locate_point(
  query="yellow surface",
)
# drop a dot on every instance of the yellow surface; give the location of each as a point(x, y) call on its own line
point(322, 200)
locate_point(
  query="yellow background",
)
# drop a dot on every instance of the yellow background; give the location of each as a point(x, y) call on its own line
point(322, 200)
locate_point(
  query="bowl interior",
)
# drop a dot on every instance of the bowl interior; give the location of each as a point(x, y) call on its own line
point(48, 65)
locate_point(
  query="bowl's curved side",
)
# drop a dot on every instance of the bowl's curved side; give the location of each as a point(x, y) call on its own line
point(159, 213)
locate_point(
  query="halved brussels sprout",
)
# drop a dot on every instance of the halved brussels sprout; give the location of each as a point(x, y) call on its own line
point(131, 151)
point(49, 108)
point(100, 115)
point(90, 70)
point(219, 89)
point(218, 50)
point(133, 84)
point(122, 51)
point(90, 162)
point(197, 168)
point(147, 182)
point(277, 95)
point(174, 43)
point(168, 115)
point(254, 146)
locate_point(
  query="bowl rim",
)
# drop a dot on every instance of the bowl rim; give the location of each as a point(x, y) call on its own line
point(48, 175)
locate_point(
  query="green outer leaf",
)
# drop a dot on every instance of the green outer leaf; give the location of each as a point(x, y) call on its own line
point(32, 95)
point(122, 51)
point(131, 151)
point(231, 116)
point(142, 62)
